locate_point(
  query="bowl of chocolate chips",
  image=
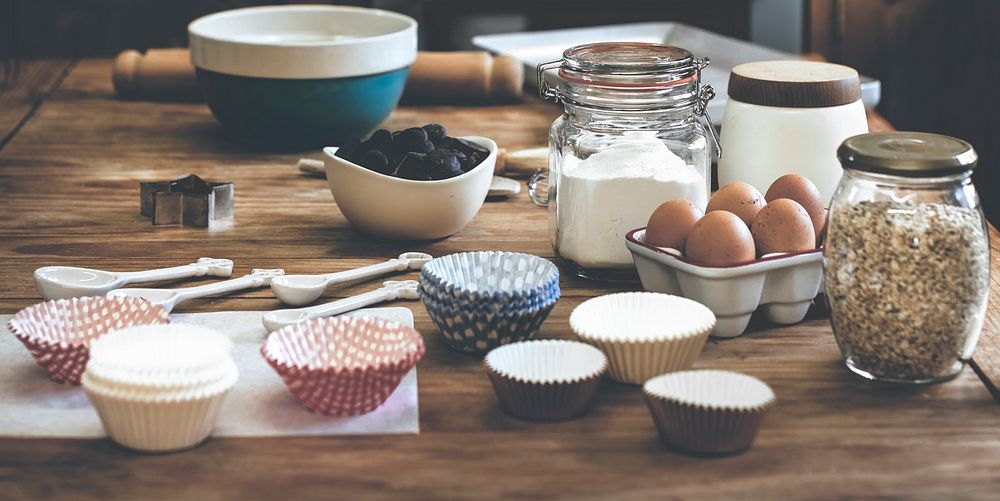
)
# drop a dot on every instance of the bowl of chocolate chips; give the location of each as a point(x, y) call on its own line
point(413, 184)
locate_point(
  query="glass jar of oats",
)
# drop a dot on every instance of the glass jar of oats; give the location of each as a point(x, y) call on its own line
point(906, 257)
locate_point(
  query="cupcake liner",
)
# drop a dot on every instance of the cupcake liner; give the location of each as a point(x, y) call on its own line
point(343, 366)
point(158, 388)
point(644, 334)
point(474, 332)
point(58, 333)
point(158, 426)
point(160, 358)
point(547, 379)
point(707, 411)
point(490, 275)
point(496, 305)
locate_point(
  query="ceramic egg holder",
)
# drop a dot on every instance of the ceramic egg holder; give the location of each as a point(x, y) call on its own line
point(782, 286)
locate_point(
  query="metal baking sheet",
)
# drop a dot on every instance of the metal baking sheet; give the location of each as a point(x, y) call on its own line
point(536, 47)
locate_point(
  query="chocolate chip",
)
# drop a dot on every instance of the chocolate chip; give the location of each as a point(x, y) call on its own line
point(380, 140)
point(413, 167)
point(443, 164)
point(435, 132)
point(475, 152)
point(347, 150)
point(375, 160)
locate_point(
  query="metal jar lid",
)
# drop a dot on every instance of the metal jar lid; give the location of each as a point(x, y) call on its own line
point(907, 154)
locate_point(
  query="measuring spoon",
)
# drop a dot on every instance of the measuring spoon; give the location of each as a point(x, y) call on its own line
point(298, 290)
point(168, 298)
point(61, 282)
point(391, 290)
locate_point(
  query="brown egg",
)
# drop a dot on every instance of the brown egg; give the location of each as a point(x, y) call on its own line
point(783, 226)
point(670, 223)
point(803, 191)
point(719, 239)
point(739, 198)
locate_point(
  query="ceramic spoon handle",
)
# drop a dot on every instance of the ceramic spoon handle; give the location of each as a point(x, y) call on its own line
point(204, 266)
point(390, 291)
point(257, 278)
point(365, 272)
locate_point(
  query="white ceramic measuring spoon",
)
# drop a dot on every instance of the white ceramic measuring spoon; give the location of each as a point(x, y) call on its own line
point(391, 290)
point(298, 290)
point(168, 298)
point(61, 282)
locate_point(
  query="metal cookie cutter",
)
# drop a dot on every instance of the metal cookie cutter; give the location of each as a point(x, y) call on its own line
point(187, 200)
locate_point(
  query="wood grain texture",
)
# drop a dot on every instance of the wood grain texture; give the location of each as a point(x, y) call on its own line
point(24, 85)
point(68, 195)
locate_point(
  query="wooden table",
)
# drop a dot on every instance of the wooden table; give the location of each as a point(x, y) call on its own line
point(69, 195)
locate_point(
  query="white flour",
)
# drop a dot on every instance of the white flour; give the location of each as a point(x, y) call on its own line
point(614, 191)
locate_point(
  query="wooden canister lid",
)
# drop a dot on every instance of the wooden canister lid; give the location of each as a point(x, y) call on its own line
point(794, 84)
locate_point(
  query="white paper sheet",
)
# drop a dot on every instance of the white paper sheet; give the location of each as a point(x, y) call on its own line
point(259, 405)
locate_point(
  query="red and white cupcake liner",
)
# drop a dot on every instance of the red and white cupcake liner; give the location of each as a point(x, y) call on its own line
point(58, 333)
point(343, 366)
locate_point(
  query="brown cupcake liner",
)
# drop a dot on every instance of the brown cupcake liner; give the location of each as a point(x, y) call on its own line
point(544, 401)
point(708, 412)
point(545, 380)
point(704, 431)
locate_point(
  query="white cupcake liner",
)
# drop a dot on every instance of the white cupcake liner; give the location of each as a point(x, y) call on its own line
point(707, 411)
point(643, 334)
point(161, 357)
point(634, 363)
point(545, 379)
point(158, 426)
point(159, 388)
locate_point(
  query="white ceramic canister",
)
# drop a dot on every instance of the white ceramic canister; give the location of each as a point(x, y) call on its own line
point(789, 117)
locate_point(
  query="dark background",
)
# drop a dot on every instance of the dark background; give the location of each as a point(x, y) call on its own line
point(939, 61)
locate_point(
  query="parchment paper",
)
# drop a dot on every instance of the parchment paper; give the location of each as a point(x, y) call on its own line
point(259, 405)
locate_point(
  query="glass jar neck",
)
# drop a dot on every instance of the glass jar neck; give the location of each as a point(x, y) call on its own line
point(658, 119)
point(914, 183)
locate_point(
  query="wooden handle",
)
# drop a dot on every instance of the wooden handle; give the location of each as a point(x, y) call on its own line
point(464, 76)
point(435, 76)
point(158, 72)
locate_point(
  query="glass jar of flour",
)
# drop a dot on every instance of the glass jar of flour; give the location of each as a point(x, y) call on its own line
point(633, 135)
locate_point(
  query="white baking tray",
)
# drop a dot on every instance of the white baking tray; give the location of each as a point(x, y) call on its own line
point(782, 287)
point(532, 48)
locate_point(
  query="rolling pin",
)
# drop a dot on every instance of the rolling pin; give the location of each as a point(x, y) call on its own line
point(468, 76)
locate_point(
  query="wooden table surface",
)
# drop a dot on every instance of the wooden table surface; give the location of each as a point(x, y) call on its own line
point(69, 177)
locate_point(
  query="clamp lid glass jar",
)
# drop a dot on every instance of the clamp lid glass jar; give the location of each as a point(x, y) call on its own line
point(634, 134)
point(906, 257)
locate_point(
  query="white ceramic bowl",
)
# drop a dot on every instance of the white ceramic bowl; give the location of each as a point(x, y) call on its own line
point(303, 41)
point(404, 209)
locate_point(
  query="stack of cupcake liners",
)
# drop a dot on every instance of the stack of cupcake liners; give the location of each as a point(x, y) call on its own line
point(643, 334)
point(482, 300)
point(159, 388)
point(545, 380)
point(708, 411)
point(343, 366)
point(59, 333)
